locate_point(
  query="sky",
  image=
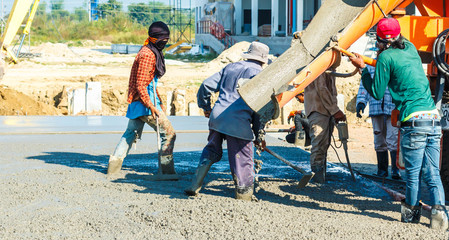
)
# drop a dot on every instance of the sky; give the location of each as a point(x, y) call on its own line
point(70, 5)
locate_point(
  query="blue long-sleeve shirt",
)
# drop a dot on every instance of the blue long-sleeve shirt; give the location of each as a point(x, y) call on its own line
point(376, 107)
point(230, 114)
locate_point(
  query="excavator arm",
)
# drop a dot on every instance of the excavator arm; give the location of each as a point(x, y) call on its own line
point(16, 18)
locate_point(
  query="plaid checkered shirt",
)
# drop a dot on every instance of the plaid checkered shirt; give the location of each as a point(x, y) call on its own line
point(376, 107)
point(142, 74)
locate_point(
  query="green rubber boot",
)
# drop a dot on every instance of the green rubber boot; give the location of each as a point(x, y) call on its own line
point(166, 170)
point(114, 165)
point(200, 174)
point(438, 218)
point(244, 193)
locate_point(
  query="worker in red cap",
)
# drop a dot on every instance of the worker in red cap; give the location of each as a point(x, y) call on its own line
point(400, 68)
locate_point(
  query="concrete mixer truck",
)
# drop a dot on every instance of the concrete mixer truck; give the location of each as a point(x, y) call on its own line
point(335, 27)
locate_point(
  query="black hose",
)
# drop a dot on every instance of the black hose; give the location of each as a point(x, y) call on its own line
point(343, 75)
point(439, 52)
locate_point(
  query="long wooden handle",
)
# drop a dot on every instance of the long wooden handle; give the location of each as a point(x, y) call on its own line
point(366, 59)
point(158, 137)
point(285, 161)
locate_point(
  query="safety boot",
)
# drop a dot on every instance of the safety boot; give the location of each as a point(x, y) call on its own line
point(166, 170)
point(200, 173)
point(438, 218)
point(382, 164)
point(244, 193)
point(320, 174)
point(410, 214)
point(394, 169)
point(114, 165)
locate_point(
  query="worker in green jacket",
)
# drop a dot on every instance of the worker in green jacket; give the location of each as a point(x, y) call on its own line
point(400, 68)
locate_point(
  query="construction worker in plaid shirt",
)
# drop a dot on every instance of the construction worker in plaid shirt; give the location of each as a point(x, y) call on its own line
point(385, 135)
point(148, 67)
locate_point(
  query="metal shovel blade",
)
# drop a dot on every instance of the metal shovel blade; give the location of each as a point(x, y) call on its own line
point(305, 179)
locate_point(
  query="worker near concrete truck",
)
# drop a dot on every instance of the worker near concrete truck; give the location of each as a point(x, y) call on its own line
point(400, 68)
point(385, 134)
point(147, 69)
point(231, 119)
point(320, 103)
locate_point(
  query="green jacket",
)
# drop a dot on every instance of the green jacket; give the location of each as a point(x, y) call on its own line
point(401, 70)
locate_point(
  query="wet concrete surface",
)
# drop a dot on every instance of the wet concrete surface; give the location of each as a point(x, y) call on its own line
point(54, 186)
point(87, 142)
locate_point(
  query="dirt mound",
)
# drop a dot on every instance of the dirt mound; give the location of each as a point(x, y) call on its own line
point(231, 55)
point(16, 103)
point(54, 50)
point(349, 87)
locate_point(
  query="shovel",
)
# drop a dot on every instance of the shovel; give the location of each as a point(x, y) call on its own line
point(306, 176)
point(157, 124)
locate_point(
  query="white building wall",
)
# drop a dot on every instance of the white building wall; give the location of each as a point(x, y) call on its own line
point(305, 11)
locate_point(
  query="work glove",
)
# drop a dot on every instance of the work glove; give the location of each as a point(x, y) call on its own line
point(291, 115)
point(360, 108)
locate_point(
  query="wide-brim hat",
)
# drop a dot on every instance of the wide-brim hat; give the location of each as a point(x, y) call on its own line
point(257, 51)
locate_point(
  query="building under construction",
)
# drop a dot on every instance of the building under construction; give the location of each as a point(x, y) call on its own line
point(180, 17)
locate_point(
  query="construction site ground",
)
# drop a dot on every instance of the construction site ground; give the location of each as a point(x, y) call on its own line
point(53, 168)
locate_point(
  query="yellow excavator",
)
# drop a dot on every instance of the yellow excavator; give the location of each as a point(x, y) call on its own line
point(20, 10)
point(335, 27)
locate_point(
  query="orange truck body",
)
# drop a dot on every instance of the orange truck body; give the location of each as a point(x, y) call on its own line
point(420, 30)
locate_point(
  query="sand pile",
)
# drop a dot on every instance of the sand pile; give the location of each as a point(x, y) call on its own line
point(54, 50)
point(230, 55)
point(16, 103)
point(349, 87)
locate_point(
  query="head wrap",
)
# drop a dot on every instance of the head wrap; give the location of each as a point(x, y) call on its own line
point(158, 33)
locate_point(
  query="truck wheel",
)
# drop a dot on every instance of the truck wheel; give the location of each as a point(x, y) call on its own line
point(444, 172)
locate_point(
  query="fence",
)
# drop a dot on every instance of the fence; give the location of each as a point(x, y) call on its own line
point(217, 30)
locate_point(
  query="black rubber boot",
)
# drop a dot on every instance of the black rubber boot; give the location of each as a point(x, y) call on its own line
point(394, 169)
point(244, 193)
point(438, 218)
point(200, 174)
point(166, 171)
point(382, 164)
point(410, 214)
point(166, 165)
point(320, 174)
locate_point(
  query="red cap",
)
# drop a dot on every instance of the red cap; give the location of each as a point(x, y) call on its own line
point(388, 28)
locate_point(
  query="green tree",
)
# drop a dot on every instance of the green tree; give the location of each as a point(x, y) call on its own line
point(80, 14)
point(140, 12)
point(42, 8)
point(112, 7)
point(57, 9)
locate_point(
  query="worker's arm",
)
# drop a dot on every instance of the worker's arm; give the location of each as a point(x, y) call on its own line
point(361, 101)
point(376, 85)
point(147, 63)
point(160, 99)
point(209, 86)
point(257, 127)
point(362, 95)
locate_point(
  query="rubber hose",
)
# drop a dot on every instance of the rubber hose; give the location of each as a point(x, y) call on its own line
point(343, 75)
point(439, 52)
